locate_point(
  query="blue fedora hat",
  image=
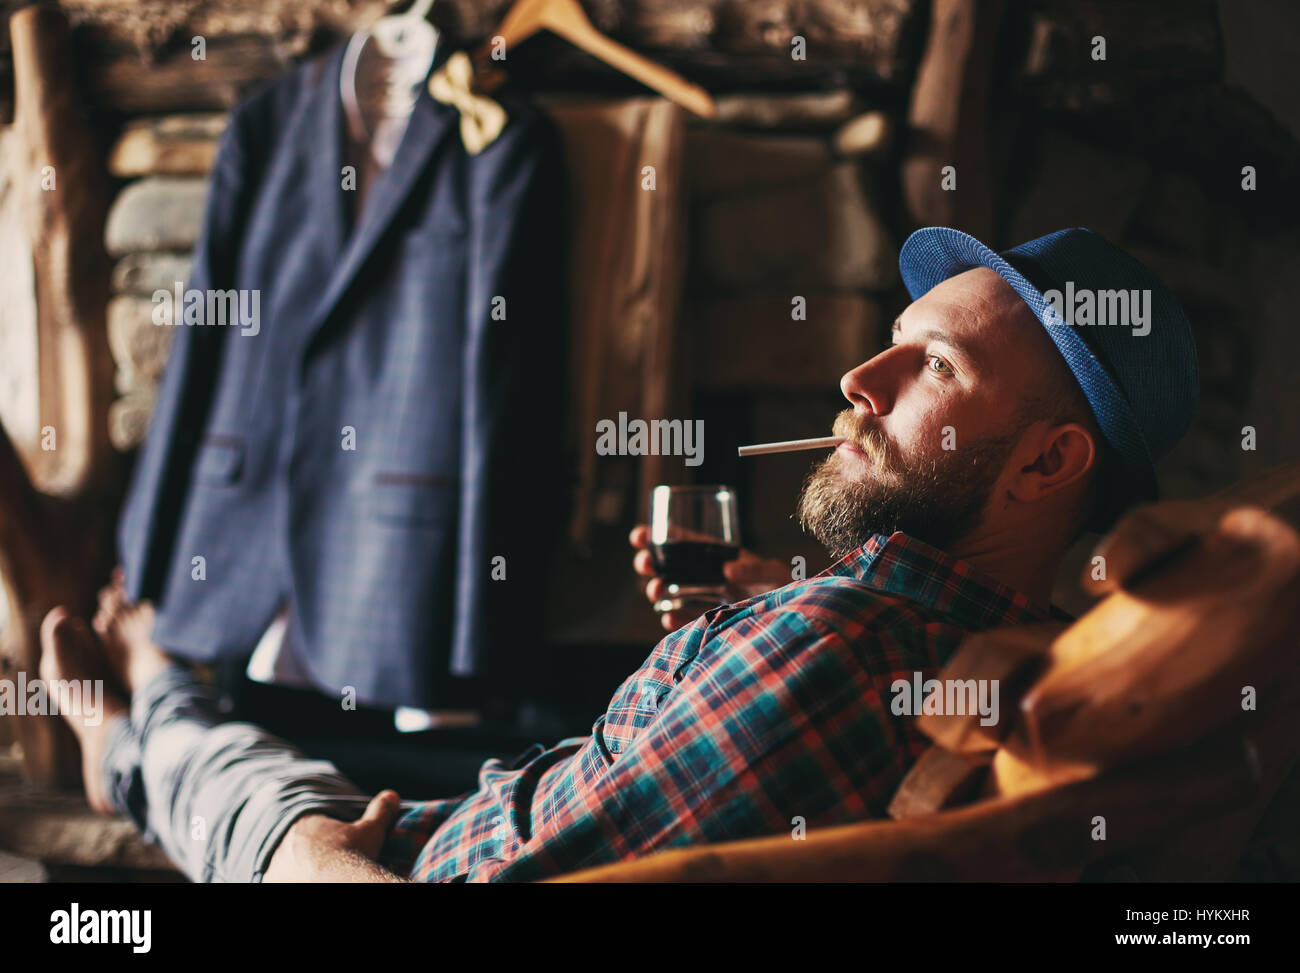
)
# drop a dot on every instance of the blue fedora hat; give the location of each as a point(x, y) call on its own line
point(1142, 383)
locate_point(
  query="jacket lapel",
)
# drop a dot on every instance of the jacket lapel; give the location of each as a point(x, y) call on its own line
point(325, 140)
point(429, 124)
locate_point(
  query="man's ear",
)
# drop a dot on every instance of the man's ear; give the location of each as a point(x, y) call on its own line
point(1065, 455)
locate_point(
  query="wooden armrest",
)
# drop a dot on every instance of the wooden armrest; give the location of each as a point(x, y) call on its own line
point(1044, 835)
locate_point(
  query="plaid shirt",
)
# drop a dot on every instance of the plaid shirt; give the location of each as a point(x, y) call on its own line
point(754, 715)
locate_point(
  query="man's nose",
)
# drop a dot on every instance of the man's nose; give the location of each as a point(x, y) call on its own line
point(868, 387)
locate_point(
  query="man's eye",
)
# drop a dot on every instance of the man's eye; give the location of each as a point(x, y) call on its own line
point(942, 367)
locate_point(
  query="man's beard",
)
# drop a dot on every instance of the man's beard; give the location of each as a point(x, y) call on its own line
point(937, 500)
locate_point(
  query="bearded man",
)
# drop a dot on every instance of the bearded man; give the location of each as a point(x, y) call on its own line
point(976, 449)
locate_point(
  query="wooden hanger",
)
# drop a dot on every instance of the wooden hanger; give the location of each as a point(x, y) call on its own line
point(566, 18)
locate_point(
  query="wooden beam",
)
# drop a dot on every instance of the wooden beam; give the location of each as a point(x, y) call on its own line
point(64, 194)
point(951, 117)
point(56, 527)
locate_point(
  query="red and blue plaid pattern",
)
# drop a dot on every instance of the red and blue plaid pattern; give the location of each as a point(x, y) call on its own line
point(756, 718)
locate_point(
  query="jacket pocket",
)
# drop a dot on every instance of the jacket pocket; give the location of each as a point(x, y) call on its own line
point(220, 460)
point(412, 498)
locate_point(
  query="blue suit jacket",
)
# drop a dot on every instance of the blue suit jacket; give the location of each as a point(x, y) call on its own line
point(386, 551)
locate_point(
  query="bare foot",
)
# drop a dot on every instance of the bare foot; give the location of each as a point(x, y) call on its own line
point(69, 653)
point(126, 629)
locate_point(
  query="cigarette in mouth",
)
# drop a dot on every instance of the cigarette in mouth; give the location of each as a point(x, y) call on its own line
point(790, 446)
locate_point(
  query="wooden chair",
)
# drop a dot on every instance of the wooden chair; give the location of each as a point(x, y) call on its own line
point(1147, 740)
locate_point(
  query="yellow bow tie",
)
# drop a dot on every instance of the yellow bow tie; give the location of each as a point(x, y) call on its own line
point(481, 119)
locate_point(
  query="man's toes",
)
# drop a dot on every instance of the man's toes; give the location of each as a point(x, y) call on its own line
point(49, 667)
point(65, 639)
point(52, 619)
point(110, 600)
point(57, 631)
